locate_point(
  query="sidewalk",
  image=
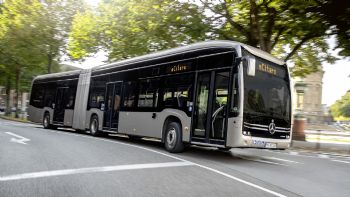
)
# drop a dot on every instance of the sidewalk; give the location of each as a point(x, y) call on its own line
point(321, 147)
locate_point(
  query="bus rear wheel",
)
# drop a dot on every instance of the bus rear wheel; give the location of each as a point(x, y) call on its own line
point(94, 126)
point(173, 138)
point(46, 121)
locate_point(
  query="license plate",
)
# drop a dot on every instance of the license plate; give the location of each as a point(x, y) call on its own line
point(270, 145)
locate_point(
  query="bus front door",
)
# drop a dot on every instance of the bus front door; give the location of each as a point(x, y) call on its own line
point(59, 105)
point(112, 105)
point(210, 107)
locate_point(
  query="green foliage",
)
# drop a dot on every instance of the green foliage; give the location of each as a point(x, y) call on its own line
point(293, 30)
point(33, 36)
point(127, 28)
point(341, 108)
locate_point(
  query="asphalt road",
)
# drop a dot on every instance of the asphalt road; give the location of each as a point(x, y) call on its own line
point(38, 162)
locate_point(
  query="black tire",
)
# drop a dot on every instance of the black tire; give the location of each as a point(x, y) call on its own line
point(173, 138)
point(94, 124)
point(46, 121)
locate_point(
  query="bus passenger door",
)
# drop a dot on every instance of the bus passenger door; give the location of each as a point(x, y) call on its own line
point(210, 107)
point(59, 105)
point(112, 105)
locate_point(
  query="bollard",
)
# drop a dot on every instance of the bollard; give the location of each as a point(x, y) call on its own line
point(298, 129)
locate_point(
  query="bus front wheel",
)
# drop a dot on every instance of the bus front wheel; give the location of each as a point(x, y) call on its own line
point(94, 126)
point(173, 138)
point(46, 121)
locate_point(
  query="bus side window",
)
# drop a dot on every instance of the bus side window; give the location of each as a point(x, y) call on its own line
point(148, 95)
point(129, 94)
point(37, 97)
point(50, 91)
point(97, 92)
point(177, 91)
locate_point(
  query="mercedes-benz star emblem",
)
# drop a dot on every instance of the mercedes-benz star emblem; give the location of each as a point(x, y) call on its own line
point(272, 127)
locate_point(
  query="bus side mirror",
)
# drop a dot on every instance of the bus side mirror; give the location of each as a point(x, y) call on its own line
point(251, 65)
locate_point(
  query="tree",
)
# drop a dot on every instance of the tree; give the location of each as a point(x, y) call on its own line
point(126, 28)
point(294, 30)
point(15, 50)
point(341, 108)
point(33, 38)
point(290, 29)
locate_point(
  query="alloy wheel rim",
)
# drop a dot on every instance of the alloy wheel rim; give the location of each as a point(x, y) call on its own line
point(171, 137)
point(93, 126)
point(46, 121)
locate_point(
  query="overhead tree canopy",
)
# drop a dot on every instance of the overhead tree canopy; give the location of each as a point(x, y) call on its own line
point(126, 28)
point(293, 30)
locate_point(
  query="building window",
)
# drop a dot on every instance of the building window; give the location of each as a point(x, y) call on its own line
point(300, 100)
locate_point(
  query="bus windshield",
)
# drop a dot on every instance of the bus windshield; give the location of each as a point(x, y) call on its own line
point(267, 93)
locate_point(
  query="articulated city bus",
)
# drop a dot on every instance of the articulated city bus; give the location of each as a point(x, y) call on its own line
point(218, 93)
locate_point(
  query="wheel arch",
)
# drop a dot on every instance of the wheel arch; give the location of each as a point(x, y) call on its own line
point(170, 118)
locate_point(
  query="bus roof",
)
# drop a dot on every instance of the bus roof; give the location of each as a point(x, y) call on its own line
point(57, 75)
point(217, 44)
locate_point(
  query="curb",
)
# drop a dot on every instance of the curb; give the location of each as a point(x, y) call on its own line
point(326, 147)
point(13, 119)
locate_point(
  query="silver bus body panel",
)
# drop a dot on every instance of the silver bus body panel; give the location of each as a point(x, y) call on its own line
point(68, 117)
point(35, 114)
point(81, 99)
point(142, 123)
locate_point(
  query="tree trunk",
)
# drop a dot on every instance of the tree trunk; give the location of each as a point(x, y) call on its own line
point(49, 63)
point(8, 91)
point(18, 73)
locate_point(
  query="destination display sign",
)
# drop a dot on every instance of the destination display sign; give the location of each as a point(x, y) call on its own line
point(266, 68)
point(181, 67)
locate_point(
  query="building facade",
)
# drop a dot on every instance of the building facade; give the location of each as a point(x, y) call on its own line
point(308, 97)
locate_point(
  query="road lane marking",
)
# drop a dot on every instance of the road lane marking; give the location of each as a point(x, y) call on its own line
point(241, 181)
point(261, 161)
point(286, 160)
point(323, 156)
point(19, 139)
point(177, 158)
point(41, 174)
point(341, 161)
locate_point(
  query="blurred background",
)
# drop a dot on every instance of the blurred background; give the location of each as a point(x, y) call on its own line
point(313, 37)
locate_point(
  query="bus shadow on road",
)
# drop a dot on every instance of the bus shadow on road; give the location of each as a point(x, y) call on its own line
point(234, 156)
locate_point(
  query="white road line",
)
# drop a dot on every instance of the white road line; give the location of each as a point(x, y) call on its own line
point(262, 161)
point(92, 170)
point(341, 161)
point(323, 156)
point(293, 153)
point(242, 181)
point(19, 139)
point(286, 160)
point(177, 158)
